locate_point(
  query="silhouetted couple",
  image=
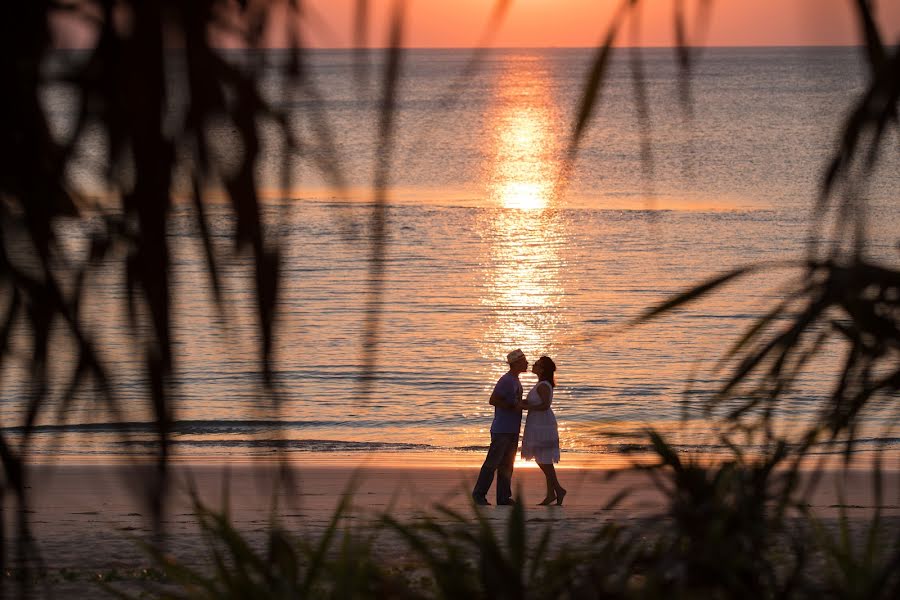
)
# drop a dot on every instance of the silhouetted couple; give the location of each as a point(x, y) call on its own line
point(541, 439)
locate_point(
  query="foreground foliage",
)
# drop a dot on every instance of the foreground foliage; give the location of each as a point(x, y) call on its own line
point(735, 530)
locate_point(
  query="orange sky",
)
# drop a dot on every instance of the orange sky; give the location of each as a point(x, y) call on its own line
point(569, 23)
point(540, 23)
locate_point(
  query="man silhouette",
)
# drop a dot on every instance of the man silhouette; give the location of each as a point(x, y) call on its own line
point(506, 400)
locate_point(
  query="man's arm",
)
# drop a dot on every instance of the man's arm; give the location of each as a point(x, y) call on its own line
point(503, 401)
point(504, 396)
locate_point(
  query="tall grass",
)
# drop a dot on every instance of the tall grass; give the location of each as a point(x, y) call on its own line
point(725, 532)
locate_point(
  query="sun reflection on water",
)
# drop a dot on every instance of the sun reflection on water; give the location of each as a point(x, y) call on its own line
point(525, 143)
point(523, 286)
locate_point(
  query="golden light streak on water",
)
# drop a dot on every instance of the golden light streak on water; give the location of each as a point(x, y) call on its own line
point(525, 143)
point(523, 288)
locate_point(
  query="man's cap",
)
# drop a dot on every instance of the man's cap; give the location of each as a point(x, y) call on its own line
point(514, 356)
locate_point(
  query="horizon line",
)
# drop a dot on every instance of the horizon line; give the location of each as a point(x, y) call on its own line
point(624, 47)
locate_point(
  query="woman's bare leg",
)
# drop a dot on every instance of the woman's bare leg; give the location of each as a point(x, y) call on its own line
point(549, 476)
point(554, 489)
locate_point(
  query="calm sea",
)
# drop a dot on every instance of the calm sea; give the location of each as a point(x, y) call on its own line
point(485, 257)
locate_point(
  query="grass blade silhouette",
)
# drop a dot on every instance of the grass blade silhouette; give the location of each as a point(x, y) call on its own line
point(378, 218)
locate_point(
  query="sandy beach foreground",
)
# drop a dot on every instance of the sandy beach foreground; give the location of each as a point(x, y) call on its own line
point(87, 519)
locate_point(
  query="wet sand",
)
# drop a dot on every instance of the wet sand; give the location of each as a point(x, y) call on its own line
point(87, 520)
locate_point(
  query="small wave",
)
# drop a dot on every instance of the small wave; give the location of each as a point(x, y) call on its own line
point(178, 427)
point(303, 445)
point(824, 447)
point(216, 426)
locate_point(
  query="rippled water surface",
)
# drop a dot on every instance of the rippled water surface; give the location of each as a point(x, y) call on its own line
point(485, 256)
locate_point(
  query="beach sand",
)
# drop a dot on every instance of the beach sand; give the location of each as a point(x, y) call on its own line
point(87, 519)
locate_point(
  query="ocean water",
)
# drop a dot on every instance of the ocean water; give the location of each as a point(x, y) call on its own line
point(486, 255)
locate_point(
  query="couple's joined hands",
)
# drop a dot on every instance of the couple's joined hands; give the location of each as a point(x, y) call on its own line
point(525, 406)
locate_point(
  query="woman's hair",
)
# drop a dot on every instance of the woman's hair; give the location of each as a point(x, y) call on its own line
point(548, 369)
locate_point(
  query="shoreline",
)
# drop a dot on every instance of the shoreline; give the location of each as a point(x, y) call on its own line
point(863, 460)
point(402, 459)
point(55, 491)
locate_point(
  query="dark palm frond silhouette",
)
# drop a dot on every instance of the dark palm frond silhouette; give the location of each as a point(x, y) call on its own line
point(378, 219)
point(154, 90)
point(843, 296)
point(125, 85)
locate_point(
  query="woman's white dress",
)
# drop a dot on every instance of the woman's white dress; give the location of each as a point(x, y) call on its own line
point(541, 439)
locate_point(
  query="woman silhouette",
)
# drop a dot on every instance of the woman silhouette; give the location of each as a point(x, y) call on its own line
point(541, 438)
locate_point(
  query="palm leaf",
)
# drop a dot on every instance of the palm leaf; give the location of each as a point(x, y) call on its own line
point(590, 92)
point(693, 294)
